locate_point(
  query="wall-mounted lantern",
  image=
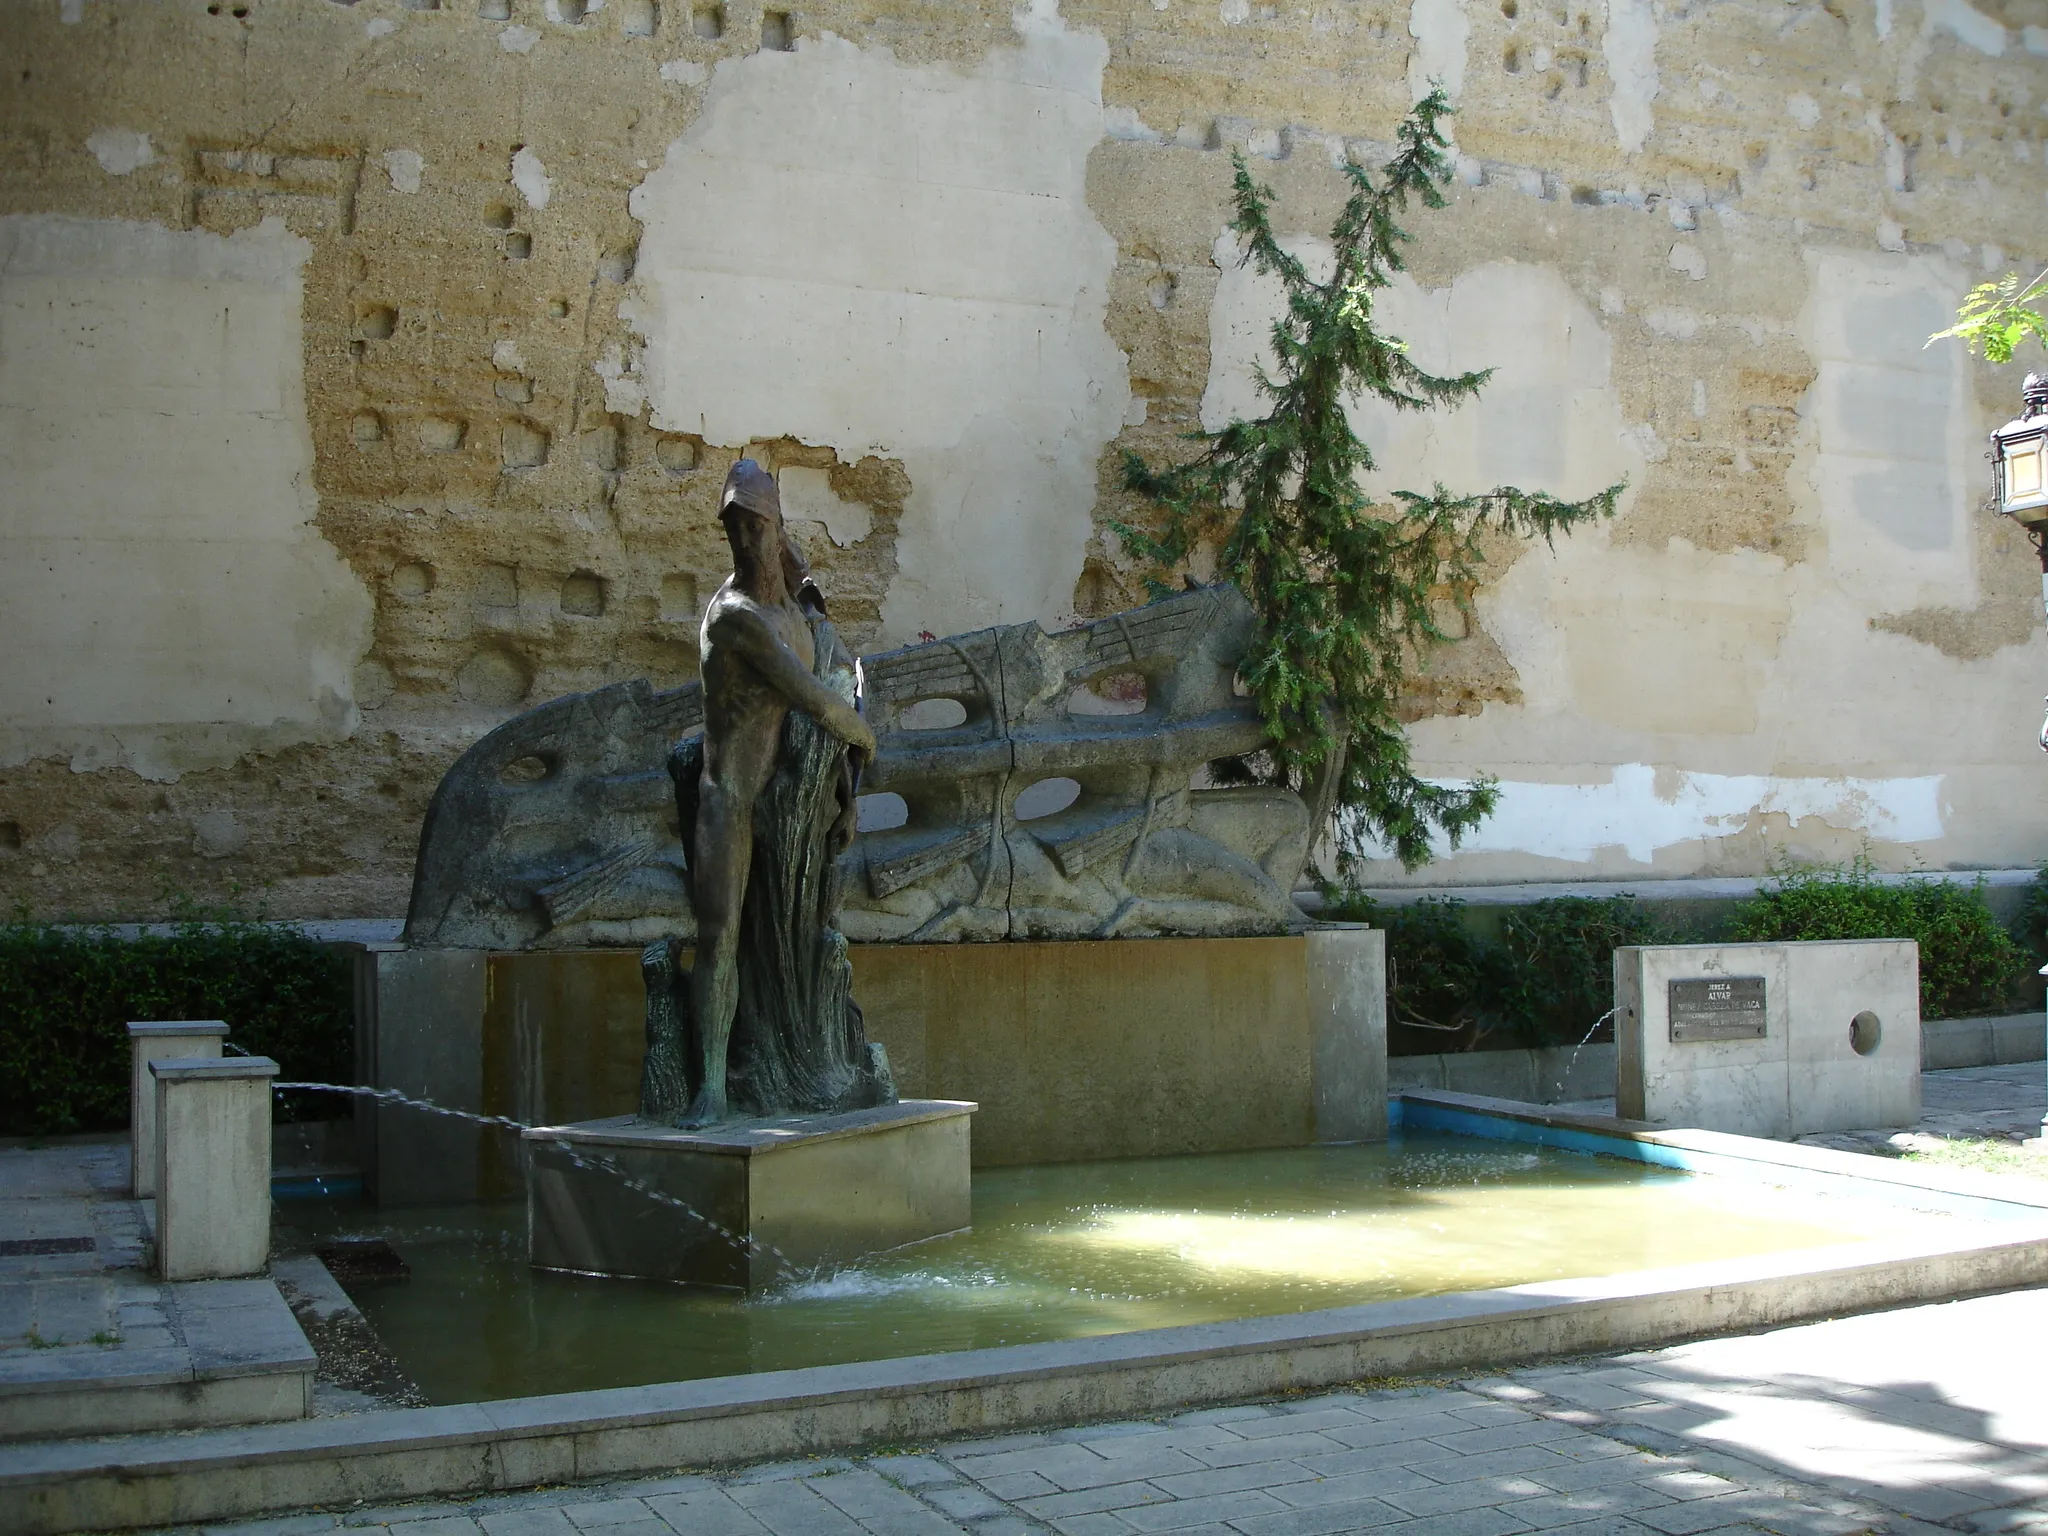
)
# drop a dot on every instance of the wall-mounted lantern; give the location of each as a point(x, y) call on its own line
point(2019, 474)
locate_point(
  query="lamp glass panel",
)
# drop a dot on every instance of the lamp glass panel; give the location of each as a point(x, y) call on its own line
point(2025, 472)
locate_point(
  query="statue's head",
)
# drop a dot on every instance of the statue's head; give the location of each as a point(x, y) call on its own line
point(750, 492)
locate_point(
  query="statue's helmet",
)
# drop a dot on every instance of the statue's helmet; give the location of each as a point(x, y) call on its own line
point(750, 488)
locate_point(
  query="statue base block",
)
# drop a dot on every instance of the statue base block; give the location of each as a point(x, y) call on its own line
point(749, 1202)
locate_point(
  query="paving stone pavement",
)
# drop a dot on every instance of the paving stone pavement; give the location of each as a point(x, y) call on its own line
point(1923, 1420)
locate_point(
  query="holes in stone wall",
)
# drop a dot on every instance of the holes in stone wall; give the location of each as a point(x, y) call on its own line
point(518, 246)
point(583, 595)
point(617, 263)
point(1866, 1033)
point(366, 428)
point(1511, 59)
point(776, 35)
point(495, 677)
point(639, 18)
point(880, 812)
point(1048, 797)
point(525, 446)
point(677, 455)
point(412, 580)
point(679, 598)
point(498, 215)
point(601, 448)
point(932, 715)
point(497, 586)
point(494, 10)
point(442, 434)
point(575, 12)
point(708, 22)
point(376, 322)
point(515, 391)
point(1160, 290)
point(10, 837)
point(1574, 67)
point(1509, 8)
point(558, 309)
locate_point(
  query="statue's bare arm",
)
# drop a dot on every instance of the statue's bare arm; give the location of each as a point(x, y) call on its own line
point(751, 637)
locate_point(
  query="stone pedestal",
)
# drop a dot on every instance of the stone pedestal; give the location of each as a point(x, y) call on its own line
point(1778, 1040)
point(159, 1040)
point(743, 1204)
point(213, 1166)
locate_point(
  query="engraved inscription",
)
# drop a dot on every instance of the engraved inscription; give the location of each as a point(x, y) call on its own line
point(1717, 1008)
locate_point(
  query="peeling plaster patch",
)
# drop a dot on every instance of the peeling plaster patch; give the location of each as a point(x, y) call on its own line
point(807, 496)
point(684, 72)
point(518, 39)
point(169, 605)
point(1688, 258)
point(1966, 24)
point(1549, 420)
point(2035, 41)
point(624, 390)
point(1630, 46)
point(1441, 30)
point(71, 12)
point(1124, 123)
point(531, 178)
point(913, 248)
point(1234, 13)
point(1804, 109)
point(1891, 236)
point(1895, 422)
point(404, 166)
point(1576, 821)
point(120, 150)
point(383, 26)
point(1884, 19)
point(506, 357)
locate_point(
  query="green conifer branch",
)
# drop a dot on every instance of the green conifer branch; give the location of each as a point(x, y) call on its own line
point(1342, 587)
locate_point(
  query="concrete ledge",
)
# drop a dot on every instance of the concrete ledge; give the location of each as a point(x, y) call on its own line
point(1545, 1075)
point(159, 1480)
point(244, 1361)
point(1946, 1044)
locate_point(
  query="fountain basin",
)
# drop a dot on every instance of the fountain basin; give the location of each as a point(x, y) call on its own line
point(1996, 1238)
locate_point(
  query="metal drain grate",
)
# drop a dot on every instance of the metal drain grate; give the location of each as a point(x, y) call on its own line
point(21, 1247)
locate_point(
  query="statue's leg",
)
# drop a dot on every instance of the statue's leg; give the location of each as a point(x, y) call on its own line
point(725, 848)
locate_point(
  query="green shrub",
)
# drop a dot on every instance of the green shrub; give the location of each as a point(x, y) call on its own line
point(1545, 981)
point(67, 995)
point(1968, 962)
point(1558, 963)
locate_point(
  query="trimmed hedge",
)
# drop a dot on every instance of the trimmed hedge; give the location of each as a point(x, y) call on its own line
point(68, 994)
point(1968, 962)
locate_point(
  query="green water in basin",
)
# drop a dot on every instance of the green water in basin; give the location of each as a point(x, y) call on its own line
point(1075, 1250)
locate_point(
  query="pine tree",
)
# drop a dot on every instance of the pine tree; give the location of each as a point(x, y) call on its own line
point(1342, 587)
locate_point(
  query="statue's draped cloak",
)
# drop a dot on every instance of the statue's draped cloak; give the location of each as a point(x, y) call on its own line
point(799, 1044)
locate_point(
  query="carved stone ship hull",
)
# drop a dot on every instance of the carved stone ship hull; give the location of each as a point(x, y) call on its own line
point(558, 829)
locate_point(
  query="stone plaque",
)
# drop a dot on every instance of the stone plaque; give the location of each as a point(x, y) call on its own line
point(1717, 1008)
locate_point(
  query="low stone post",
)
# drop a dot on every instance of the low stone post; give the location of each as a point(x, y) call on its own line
point(213, 1166)
point(158, 1040)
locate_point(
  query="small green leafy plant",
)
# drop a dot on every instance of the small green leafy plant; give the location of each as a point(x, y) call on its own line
point(1995, 318)
point(1342, 587)
point(67, 995)
point(1968, 962)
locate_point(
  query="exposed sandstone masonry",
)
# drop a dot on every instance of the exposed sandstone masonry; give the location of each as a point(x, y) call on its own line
point(381, 362)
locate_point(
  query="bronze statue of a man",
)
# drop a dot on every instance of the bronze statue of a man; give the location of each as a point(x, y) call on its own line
point(766, 802)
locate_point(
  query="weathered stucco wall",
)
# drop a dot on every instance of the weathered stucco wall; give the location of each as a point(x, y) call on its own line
point(367, 371)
